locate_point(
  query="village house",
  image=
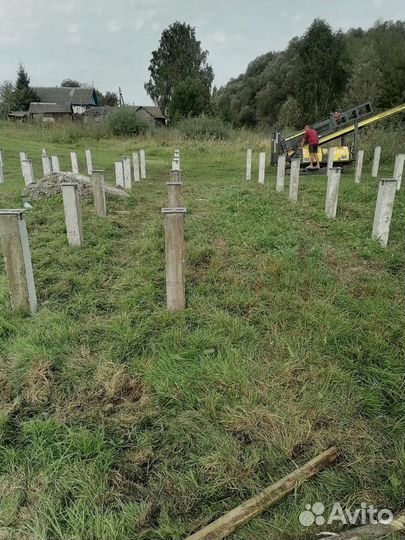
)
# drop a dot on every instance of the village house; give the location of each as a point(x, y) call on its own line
point(80, 99)
point(68, 103)
point(57, 103)
point(151, 114)
point(49, 112)
point(96, 114)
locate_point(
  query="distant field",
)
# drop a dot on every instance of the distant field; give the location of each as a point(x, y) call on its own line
point(120, 421)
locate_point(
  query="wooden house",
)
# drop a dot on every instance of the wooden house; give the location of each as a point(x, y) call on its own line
point(151, 114)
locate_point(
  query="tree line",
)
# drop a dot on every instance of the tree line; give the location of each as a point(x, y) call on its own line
point(318, 73)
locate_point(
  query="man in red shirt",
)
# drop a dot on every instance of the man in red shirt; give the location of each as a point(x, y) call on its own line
point(311, 139)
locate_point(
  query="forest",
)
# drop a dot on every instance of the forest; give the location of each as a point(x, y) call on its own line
point(318, 73)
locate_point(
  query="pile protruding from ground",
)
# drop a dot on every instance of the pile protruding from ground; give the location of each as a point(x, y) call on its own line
point(49, 186)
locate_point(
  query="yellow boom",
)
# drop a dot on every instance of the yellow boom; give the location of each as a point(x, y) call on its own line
point(349, 129)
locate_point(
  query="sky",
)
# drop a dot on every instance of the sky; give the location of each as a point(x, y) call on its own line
point(108, 43)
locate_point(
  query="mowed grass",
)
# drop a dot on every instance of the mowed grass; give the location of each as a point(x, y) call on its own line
point(119, 420)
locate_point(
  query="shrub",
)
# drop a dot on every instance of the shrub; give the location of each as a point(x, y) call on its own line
point(389, 136)
point(123, 121)
point(290, 114)
point(204, 127)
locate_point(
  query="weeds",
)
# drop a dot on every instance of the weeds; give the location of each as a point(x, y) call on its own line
point(204, 127)
point(121, 420)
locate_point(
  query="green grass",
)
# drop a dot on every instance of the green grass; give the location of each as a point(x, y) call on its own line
point(119, 420)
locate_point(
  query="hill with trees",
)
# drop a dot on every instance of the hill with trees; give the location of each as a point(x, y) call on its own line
point(320, 72)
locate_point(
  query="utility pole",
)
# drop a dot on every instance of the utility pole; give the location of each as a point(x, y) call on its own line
point(120, 97)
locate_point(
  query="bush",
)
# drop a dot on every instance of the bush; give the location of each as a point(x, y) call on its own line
point(290, 114)
point(389, 136)
point(124, 121)
point(204, 127)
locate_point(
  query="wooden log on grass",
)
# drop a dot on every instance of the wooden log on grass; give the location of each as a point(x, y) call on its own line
point(243, 513)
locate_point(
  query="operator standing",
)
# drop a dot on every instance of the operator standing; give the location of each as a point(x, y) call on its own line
point(311, 139)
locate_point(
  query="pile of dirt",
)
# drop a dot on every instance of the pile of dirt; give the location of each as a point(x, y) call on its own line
point(49, 186)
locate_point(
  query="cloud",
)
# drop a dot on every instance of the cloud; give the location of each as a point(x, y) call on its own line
point(219, 37)
point(72, 28)
point(297, 18)
point(73, 36)
point(11, 38)
point(114, 26)
point(146, 17)
point(139, 23)
point(73, 39)
point(378, 3)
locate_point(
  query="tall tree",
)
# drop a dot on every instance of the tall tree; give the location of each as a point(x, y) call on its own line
point(322, 70)
point(23, 93)
point(178, 57)
point(70, 83)
point(6, 98)
point(109, 98)
point(191, 97)
point(388, 41)
point(279, 77)
point(366, 81)
point(290, 114)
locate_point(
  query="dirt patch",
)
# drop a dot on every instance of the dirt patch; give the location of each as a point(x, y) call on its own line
point(251, 425)
point(119, 386)
point(351, 267)
point(49, 186)
point(39, 383)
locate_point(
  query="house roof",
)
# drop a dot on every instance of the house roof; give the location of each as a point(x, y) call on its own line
point(18, 114)
point(41, 108)
point(152, 110)
point(63, 94)
point(98, 111)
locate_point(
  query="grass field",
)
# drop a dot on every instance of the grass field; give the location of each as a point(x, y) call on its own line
point(119, 420)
